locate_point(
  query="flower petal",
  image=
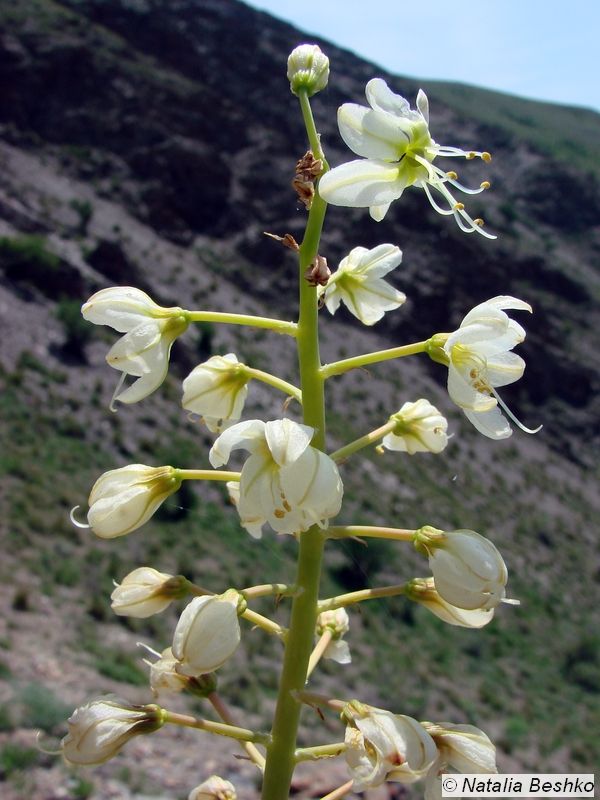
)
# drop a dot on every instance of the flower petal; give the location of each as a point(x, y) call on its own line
point(287, 440)
point(362, 183)
point(490, 423)
point(120, 307)
point(245, 436)
point(372, 134)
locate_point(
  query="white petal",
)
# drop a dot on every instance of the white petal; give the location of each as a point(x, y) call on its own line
point(423, 105)
point(287, 440)
point(491, 423)
point(376, 262)
point(245, 435)
point(362, 183)
point(378, 212)
point(380, 97)
point(504, 368)
point(465, 395)
point(500, 302)
point(372, 134)
point(372, 299)
point(120, 307)
point(129, 353)
point(156, 366)
point(338, 650)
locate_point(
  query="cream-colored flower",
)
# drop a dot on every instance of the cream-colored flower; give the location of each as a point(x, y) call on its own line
point(123, 499)
point(214, 788)
point(165, 677)
point(480, 359)
point(468, 570)
point(207, 634)
point(216, 390)
point(98, 730)
point(285, 482)
point(145, 592)
point(308, 69)
point(420, 428)
point(149, 329)
point(396, 151)
point(358, 283)
point(461, 748)
point(423, 591)
point(337, 622)
point(383, 746)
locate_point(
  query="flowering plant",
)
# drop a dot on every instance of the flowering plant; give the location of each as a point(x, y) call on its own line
point(292, 479)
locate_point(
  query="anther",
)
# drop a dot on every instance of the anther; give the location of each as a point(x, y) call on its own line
point(485, 184)
point(452, 175)
point(479, 222)
point(486, 157)
point(459, 206)
point(471, 155)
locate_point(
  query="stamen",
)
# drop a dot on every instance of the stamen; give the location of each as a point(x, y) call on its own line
point(148, 649)
point(452, 175)
point(75, 521)
point(485, 185)
point(479, 222)
point(510, 601)
point(470, 155)
point(486, 157)
point(436, 206)
point(509, 414)
point(112, 406)
point(459, 206)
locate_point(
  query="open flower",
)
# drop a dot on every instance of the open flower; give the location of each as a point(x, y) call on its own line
point(480, 360)
point(98, 730)
point(420, 428)
point(461, 748)
point(214, 788)
point(145, 592)
point(396, 151)
point(336, 623)
point(468, 570)
point(149, 329)
point(207, 634)
point(383, 746)
point(217, 390)
point(123, 499)
point(358, 283)
point(423, 591)
point(285, 482)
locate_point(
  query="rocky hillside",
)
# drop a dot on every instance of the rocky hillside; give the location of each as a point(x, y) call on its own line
point(151, 144)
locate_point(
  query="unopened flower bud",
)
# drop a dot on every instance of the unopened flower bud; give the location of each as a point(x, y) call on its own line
point(461, 748)
point(217, 390)
point(214, 788)
point(123, 499)
point(423, 591)
point(469, 571)
point(308, 69)
point(337, 622)
point(98, 730)
point(207, 634)
point(383, 746)
point(145, 592)
point(420, 428)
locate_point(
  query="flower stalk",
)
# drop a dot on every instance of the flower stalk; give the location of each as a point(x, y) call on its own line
point(346, 364)
point(363, 594)
point(276, 325)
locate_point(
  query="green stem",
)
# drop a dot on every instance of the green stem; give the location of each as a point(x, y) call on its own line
point(364, 441)
point(363, 531)
point(266, 589)
point(318, 651)
point(358, 597)
point(207, 475)
point(277, 325)
point(251, 616)
point(273, 380)
point(320, 751)
point(280, 763)
point(339, 367)
point(219, 728)
point(217, 703)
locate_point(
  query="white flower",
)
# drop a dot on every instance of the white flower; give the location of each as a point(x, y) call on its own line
point(358, 283)
point(207, 634)
point(165, 677)
point(145, 592)
point(461, 748)
point(480, 360)
point(468, 570)
point(420, 428)
point(285, 482)
point(123, 499)
point(337, 622)
point(423, 591)
point(396, 151)
point(307, 68)
point(214, 788)
point(383, 746)
point(216, 390)
point(149, 329)
point(98, 730)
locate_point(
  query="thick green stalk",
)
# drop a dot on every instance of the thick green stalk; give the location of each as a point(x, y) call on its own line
point(280, 762)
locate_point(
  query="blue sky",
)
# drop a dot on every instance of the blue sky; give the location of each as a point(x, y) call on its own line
point(541, 49)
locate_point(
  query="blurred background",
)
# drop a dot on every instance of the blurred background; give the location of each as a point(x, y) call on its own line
point(149, 143)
